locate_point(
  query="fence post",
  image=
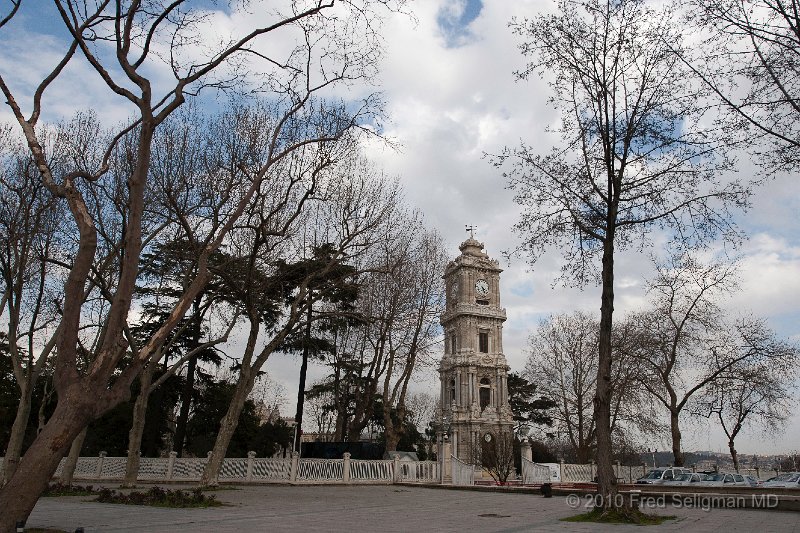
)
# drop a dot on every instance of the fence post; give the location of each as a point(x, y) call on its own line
point(346, 467)
point(249, 473)
point(171, 464)
point(591, 470)
point(526, 450)
point(101, 456)
point(293, 471)
point(397, 474)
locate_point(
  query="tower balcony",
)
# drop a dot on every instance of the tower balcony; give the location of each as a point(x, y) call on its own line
point(462, 308)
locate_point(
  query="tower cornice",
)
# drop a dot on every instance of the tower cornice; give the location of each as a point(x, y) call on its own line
point(473, 310)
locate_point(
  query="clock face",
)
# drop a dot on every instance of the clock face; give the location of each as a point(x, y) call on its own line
point(482, 287)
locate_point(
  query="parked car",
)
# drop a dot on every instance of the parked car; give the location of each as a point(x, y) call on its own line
point(658, 476)
point(788, 480)
point(685, 480)
point(722, 479)
point(753, 481)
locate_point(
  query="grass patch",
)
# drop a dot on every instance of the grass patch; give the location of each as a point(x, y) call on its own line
point(619, 516)
point(158, 497)
point(59, 489)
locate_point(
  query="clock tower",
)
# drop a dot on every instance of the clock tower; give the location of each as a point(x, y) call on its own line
point(473, 371)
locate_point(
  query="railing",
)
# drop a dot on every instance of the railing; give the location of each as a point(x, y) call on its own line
point(463, 474)
point(366, 471)
point(534, 473)
point(571, 473)
point(257, 470)
point(345, 470)
point(420, 472)
point(629, 474)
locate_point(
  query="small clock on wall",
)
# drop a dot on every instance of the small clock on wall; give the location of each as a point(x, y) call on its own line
point(482, 287)
point(488, 437)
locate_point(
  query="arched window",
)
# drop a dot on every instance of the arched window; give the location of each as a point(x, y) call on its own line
point(485, 393)
point(452, 390)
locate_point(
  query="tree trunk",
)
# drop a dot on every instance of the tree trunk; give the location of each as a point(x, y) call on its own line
point(15, 440)
point(188, 388)
point(676, 439)
point(582, 454)
point(227, 427)
point(301, 388)
point(42, 419)
point(390, 432)
point(186, 403)
point(734, 455)
point(341, 407)
point(68, 472)
point(19, 495)
point(137, 426)
point(606, 479)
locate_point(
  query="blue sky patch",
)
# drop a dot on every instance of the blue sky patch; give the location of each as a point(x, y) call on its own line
point(523, 290)
point(454, 19)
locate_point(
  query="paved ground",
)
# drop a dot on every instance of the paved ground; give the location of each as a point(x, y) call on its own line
point(379, 508)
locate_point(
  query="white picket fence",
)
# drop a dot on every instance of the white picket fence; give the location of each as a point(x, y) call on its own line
point(252, 469)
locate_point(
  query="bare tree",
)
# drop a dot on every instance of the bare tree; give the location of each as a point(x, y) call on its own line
point(752, 393)
point(562, 363)
point(495, 453)
point(330, 50)
point(28, 237)
point(688, 344)
point(322, 411)
point(636, 155)
point(750, 57)
point(421, 408)
point(418, 278)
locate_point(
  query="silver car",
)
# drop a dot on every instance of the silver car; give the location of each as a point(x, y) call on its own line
point(788, 480)
point(685, 480)
point(722, 479)
point(752, 481)
point(658, 476)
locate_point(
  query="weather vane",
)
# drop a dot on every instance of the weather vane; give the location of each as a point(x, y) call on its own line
point(471, 230)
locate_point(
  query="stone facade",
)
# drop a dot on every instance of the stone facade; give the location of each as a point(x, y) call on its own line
point(473, 371)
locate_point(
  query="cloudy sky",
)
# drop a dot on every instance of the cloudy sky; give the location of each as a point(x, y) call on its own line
point(452, 97)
